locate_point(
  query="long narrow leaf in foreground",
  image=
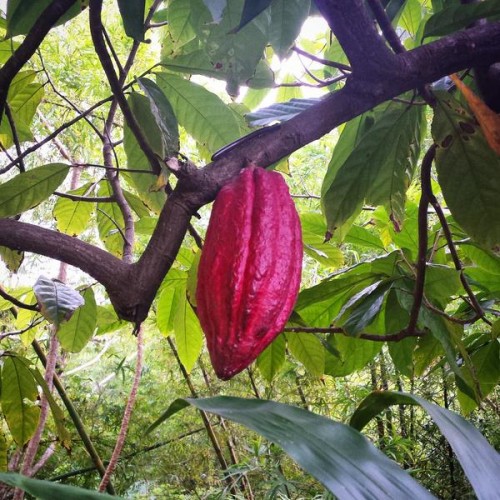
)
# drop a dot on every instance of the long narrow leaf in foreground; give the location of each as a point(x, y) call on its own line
point(481, 463)
point(45, 490)
point(334, 453)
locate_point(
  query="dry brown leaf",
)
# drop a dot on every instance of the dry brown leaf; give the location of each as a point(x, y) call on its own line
point(489, 121)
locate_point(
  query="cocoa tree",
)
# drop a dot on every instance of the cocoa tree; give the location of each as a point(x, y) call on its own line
point(383, 68)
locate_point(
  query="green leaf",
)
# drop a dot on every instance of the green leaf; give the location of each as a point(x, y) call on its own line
point(110, 222)
point(361, 309)
point(483, 258)
point(28, 189)
point(342, 459)
point(441, 283)
point(272, 358)
point(23, 97)
point(204, 115)
point(309, 351)
point(57, 301)
point(136, 159)
point(188, 334)
point(320, 304)
point(164, 116)
point(11, 258)
point(467, 171)
point(480, 462)
point(107, 320)
point(4, 448)
point(251, 9)
point(354, 354)
point(358, 235)
point(378, 170)
point(75, 334)
point(179, 23)
point(132, 12)
point(168, 303)
point(486, 362)
point(456, 17)
point(23, 14)
point(313, 238)
point(287, 17)
point(19, 393)
point(48, 490)
point(72, 217)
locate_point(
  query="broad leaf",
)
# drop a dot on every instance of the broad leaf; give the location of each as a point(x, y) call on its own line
point(337, 455)
point(11, 258)
point(75, 334)
point(456, 17)
point(170, 298)
point(48, 490)
point(481, 463)
point(132, 12)
point(57, 301)
point(272, 358)
point(19, 394)
point(467, 171)
point(23, 97)
point(164, 116)
point(378, 170)
point(110, 222)
point(251, 10)
point(72, 217)
point(354, 354)
point(188, 335)
point(23, 14)
point(307, 349)
point(136, 159)
point(179, 14)
point(28, 189)
point(216, 8)
point(204, 115)
point(287, 17)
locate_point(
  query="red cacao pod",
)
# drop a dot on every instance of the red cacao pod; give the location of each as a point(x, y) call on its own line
point(249, 271)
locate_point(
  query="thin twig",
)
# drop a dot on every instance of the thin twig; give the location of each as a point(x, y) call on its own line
point(127, 413)
point(15, 137)
point(391, 337)
point(385, 25)
point(16, 302)
point(418, 292)
point(326, 62)
point(92, 199)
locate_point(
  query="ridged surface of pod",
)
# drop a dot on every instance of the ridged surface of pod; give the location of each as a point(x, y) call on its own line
point(249, 271)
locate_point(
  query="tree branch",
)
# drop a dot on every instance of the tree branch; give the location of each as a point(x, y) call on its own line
point(29, 45)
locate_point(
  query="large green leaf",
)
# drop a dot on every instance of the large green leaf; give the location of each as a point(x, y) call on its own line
point(287, 17)
point(132, 12)
point(11, 258)
point(75, 334)
point(164, 116)
point(204, 115)
point(486, 362)
point(334, 453)
point(23, 97)
point(47, 490)
point(72, 217)
point(251, 9)
point(320, 304)
point(378, 170)
point(170, 298)
point(272, 358)
point(467, 171)
point(481, 463)
point(23, 14)
point(28, 189)
point(19, 394)
point(455, 17)
point(188, 335)
point(110, 223)
point(354, 354)
point(308, 350)
point(57, 301)
point(136, 159)
point(313, 238)
point(179, 23)
point(236, 55)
